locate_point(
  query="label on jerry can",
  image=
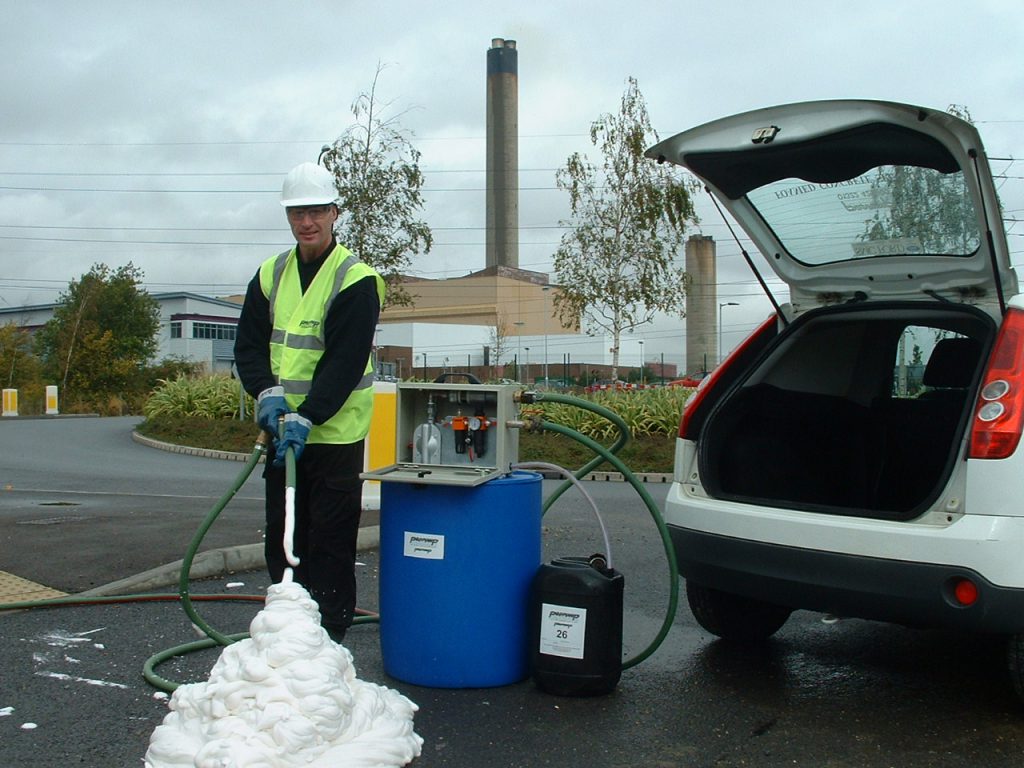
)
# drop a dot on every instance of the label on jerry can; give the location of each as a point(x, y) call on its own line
point(563, 630)
point(429, 546)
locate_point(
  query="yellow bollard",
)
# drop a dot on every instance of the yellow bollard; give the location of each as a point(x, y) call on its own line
point(10, 402)
point(380, 442)
point(51, 400)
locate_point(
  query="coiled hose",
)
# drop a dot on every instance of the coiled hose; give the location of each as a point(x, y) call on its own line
point(184, 596)
point(601, 455)
point(213, 637)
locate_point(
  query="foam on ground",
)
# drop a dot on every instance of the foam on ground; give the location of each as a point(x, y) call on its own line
point(287, 696)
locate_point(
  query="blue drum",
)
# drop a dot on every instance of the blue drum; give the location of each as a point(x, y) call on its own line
point(456, 567)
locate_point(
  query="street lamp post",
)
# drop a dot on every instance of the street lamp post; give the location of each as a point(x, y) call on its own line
point(526, 365)
point(720, 305)
point(641, 343)
point(519, 345)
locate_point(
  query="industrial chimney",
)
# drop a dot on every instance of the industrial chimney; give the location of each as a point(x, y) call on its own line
point(502, 154)
point(701, 302)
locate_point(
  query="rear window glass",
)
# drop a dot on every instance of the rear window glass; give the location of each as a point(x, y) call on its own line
point(930, 359)
point(889, 210)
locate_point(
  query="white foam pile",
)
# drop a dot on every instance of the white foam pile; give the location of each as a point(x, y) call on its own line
point(287, 696)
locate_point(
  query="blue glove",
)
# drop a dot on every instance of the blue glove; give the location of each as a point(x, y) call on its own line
point(271, 406)
point(296, 430)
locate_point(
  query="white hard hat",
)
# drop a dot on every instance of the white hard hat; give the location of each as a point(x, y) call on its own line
point(308, 184)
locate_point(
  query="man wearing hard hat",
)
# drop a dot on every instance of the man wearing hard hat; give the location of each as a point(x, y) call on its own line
point(303, 350)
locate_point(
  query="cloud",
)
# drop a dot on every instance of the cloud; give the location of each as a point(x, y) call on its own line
point(208, 104)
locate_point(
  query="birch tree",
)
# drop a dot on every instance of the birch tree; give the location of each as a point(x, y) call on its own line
point(617, 261)
point(379, 182)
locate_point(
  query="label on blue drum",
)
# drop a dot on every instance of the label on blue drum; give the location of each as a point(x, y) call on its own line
point(563, 629)
point(429, 546)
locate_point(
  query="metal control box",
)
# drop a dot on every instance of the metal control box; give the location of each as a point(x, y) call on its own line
point(453, 434)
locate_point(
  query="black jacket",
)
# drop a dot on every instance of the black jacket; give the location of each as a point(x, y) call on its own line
point(348, 340)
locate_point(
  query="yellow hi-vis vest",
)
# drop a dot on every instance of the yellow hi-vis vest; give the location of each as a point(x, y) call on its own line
point(297, 336)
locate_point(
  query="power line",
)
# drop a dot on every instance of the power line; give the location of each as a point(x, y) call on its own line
point(224, 143)
point(274, 244)
point(206, 174)
point(259, 142)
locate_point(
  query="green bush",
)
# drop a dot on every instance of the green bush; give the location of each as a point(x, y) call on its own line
point(213, 396)
point(646, 412)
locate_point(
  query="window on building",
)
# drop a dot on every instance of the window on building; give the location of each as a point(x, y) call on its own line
point(176, 329)
point(213, 331)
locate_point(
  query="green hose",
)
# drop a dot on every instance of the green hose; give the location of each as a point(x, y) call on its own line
point(214, 637)
point(186, 565)
point(168, 686)
point(183, 593)
point(600, 410)
point(603, 454)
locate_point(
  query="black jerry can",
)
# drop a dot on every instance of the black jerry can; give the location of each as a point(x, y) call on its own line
point(576, 627)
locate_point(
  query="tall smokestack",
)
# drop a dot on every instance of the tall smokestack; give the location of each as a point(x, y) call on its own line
point(502, 154)
point(701, 303)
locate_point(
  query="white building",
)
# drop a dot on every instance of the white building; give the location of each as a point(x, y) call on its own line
point(457, 347)
point(198, 328)
point(192, 327)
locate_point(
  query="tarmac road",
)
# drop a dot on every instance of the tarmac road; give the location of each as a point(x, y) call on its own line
point(82, 504)
point(821, 694)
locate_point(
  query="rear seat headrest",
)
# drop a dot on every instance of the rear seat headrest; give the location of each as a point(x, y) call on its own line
point(952, 363)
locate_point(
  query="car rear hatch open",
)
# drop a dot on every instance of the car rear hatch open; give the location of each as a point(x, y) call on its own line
point(854, 199)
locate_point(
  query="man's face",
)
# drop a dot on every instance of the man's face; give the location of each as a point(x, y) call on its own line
point(312, 226)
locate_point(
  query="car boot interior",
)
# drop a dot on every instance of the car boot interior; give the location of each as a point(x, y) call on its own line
point(858, 412)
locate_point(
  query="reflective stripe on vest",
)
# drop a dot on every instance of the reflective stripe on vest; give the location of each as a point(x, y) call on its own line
point(297, 336)
point(301, 387)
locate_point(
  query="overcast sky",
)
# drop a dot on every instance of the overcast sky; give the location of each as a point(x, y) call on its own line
point(158, 133)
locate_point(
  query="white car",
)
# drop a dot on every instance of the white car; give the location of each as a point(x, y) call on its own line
point(859, 453)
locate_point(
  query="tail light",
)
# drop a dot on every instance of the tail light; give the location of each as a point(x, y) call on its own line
point(999, 412)
point(766, 329)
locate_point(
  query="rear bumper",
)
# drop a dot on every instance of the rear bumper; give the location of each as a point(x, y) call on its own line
point(898, 591)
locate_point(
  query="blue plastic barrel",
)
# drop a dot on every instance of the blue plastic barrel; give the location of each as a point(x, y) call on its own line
point(456, 565)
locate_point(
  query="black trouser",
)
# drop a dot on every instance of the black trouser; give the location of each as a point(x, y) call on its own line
point(328, 503)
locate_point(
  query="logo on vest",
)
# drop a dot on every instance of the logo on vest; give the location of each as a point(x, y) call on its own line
point(311, 325)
